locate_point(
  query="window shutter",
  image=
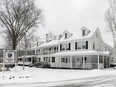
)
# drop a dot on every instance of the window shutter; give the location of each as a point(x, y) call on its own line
point(75, 45)
point(60, 47)
point(69, 46)
point(86, 44)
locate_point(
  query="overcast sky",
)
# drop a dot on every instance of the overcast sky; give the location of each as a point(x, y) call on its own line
point(71, 15)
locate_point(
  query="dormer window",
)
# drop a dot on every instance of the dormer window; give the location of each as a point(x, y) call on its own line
point(65, 35)
point(83, 33)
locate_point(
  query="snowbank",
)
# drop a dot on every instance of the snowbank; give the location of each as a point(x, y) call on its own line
point(33, 75)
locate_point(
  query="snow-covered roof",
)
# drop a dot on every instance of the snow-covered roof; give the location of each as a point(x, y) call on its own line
point(75, 36)
point(51, 43)
point(74, 53)
point(27, 56)
point(78, 35)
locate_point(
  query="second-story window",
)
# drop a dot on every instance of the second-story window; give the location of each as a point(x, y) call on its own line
point(79, 45)
point(63, 46)
point(66, 46)
point(84, 45)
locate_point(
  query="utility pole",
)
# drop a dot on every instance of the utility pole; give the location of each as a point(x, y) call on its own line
point(25, 53)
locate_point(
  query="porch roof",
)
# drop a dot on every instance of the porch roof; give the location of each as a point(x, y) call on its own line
point(27, 56)
point(76, 53)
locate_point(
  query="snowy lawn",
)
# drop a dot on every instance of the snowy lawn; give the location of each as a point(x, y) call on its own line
point(33, 75)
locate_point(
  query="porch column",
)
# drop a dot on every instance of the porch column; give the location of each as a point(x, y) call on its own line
point(109, 60)
point(106, 62)
point(70, 61)
point(51, 60)
point(32, 60)
point(98, 60)
point(103, 59)
point(60, 62)
point(83, 62)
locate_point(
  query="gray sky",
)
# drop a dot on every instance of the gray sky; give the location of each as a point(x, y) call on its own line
point(71, 15)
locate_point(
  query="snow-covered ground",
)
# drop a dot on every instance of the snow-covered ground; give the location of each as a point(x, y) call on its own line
point(41, 75)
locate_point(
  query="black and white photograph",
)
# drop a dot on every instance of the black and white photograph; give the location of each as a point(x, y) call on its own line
point(57, 43)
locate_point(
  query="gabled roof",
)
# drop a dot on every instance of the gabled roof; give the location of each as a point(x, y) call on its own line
point(75, 36)
point(78, 35)
point(62, 35)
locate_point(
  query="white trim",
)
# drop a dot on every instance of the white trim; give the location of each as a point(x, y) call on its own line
point(98, 61)
point(76, 53)
point(70, 61)
point(103, 59)
point(60, 62)
point(83, 62)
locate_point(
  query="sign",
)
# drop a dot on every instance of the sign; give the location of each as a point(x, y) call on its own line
point(9, 57)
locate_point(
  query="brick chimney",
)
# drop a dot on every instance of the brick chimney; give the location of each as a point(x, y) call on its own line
point(47, 37)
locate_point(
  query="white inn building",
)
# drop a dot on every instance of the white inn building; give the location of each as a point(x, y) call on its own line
point(84, 49)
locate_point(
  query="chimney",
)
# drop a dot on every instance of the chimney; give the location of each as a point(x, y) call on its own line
point(47, 37)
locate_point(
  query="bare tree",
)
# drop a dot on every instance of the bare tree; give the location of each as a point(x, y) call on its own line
point(111, 21)
point(31, 41)
point(17, 17)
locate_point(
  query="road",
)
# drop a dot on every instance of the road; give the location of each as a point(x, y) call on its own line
point(98, 81)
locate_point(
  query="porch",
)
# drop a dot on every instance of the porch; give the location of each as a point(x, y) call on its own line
point(82, 60)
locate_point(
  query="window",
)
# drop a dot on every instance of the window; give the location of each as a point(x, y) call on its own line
point(100, 60)
point(63, 46)
point(53, 59)
point(94, 45)
point(83, 33)
point(29, 59)
point(85, 58)
point(44, 59)
point(84, 45)
point(39, 59)
point(49, 49)
point(65, 35)
point(54, 48)
point(68, 46)
point(64, 60)
point(79, 45)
